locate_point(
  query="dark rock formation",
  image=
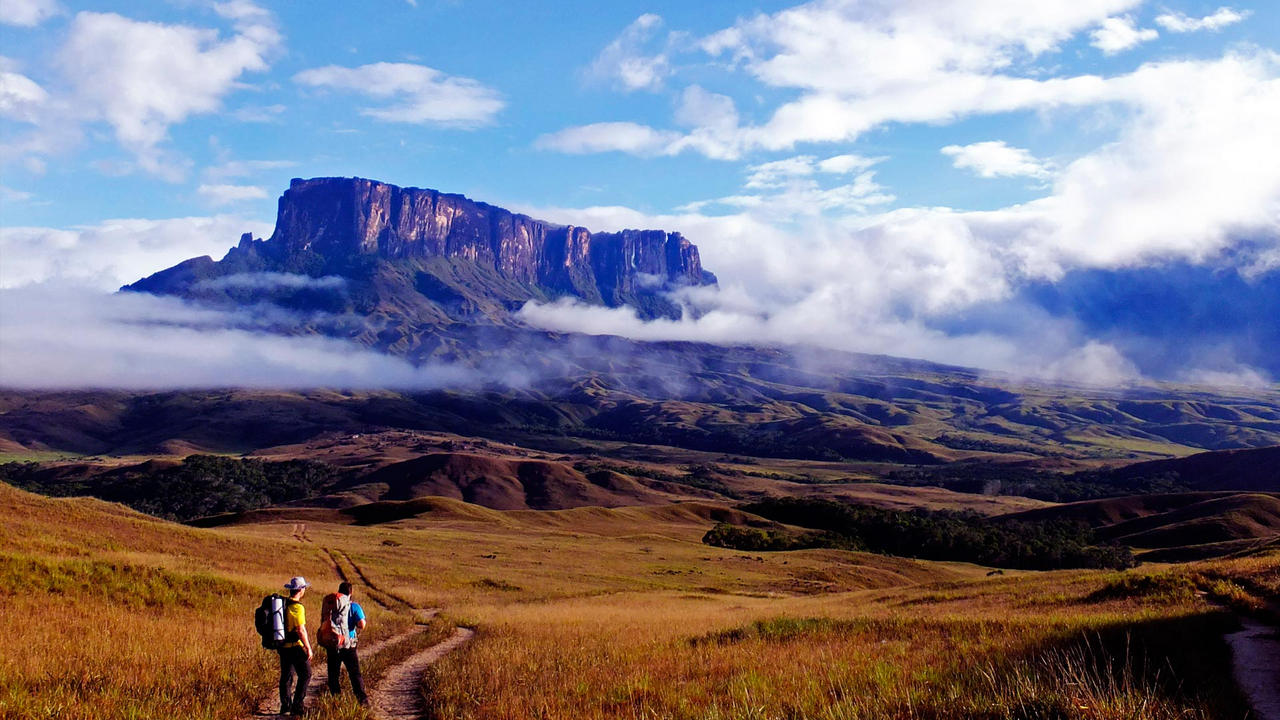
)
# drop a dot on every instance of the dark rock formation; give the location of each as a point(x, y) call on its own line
point(465, 257)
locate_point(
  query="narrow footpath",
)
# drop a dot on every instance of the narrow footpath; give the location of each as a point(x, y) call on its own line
point(399, 695)
point(1255, 660)
point(268, 706)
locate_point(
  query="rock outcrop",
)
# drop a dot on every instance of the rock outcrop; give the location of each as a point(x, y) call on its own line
point(340, 217)
point(330, 225)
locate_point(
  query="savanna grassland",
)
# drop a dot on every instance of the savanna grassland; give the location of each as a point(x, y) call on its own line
point(598, 613)
point(113, 614)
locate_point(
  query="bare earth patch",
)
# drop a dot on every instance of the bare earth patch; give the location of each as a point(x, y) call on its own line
point(1256, 660)
point(399, 697)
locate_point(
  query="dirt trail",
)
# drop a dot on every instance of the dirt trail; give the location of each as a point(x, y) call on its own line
point(319, 677)
point(399, 696)
point(383, 597)
point(1255, 652)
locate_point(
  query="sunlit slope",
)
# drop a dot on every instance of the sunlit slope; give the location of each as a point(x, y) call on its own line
point(94, 590)
point(577, 603)
point(511, 484)
point(1177, 526)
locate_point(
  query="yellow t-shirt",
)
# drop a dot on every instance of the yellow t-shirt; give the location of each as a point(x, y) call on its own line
point(295, 616)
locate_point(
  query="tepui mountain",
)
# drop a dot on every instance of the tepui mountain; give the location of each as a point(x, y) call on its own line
point(398, 261)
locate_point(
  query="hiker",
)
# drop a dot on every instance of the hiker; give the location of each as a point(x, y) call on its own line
point(295, 653)
point(347, 655)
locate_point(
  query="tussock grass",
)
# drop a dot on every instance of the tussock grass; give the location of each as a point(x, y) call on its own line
point(582, 616)
point(1169, 587)
point(634, 660)
point(121, 584)
point(102, 640)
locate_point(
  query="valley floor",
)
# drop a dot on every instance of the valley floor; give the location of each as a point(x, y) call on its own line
point(595, 613)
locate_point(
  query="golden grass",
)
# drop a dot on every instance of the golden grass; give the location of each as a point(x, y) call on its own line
point(596, 613)
point(119, 615)
point(862, 655)
point(111, 640)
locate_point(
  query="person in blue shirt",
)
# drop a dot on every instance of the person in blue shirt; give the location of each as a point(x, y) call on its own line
point(356, 621)
point(348, 656)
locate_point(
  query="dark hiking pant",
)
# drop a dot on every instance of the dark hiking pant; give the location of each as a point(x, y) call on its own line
point(348, 657)
point(293, 661)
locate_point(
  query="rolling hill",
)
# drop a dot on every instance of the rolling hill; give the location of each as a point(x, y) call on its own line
point(511, 484)
point(1178, 526)
point(1248, 470)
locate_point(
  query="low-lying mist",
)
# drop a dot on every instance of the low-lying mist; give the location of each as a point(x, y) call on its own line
point(65, 336)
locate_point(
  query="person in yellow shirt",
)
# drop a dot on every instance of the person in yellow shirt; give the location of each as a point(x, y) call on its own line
point(295, 654)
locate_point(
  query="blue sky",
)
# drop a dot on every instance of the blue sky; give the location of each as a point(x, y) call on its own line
point(948, 154)
point(538, 60)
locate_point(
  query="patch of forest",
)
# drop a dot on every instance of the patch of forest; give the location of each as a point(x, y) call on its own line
point(944, 535)
point(199, 486)
point(997, 479)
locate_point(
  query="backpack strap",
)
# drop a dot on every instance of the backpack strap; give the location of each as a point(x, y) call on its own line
point(290, 635)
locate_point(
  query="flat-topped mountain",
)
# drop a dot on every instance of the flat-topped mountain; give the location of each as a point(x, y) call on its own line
point(421, 256)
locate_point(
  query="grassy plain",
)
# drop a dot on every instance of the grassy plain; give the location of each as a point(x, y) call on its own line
point(594, 613)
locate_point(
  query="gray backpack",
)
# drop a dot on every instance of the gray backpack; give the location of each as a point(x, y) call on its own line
point(334, 613)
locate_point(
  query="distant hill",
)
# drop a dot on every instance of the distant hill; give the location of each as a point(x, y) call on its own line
point(1236, 517)
point(1177, 526)
point(687, 520)
point(1249, 469)
point(1113, 511)
point(511, 484)
point(752, 402)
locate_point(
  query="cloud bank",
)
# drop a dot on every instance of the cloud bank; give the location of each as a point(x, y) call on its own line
point(57, 336)
point(1192, 177)
point(114, 253)
point(1188, 180)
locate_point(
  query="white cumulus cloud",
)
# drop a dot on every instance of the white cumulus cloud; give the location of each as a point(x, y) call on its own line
point(857, 66)
point(625, 137)
point(245, 168)
point(804, 185)
point(113, 253)
point(21, 98)
point(1118, 34)
point(1177, 22)
point(418, 94)
point(225, 194)
point(995, 158)
point(143, 77)
point(27, 13)
point(629, 63)
point(1192, 171)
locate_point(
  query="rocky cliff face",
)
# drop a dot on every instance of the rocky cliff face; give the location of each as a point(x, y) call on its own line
point(409, 257)
point(346, 217)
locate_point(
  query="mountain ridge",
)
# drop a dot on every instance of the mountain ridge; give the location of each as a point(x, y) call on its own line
point(411, 256)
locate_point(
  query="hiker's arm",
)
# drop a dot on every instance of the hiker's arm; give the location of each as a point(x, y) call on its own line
point(306, 639)
point(361, 623)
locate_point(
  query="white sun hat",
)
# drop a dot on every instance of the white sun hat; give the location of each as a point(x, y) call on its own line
point(297, 584)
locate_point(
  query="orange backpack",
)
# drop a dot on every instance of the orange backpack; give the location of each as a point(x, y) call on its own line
point(334, 610)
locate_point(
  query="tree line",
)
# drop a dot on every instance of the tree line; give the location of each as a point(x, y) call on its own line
point(201, 485)
point(945, 535)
